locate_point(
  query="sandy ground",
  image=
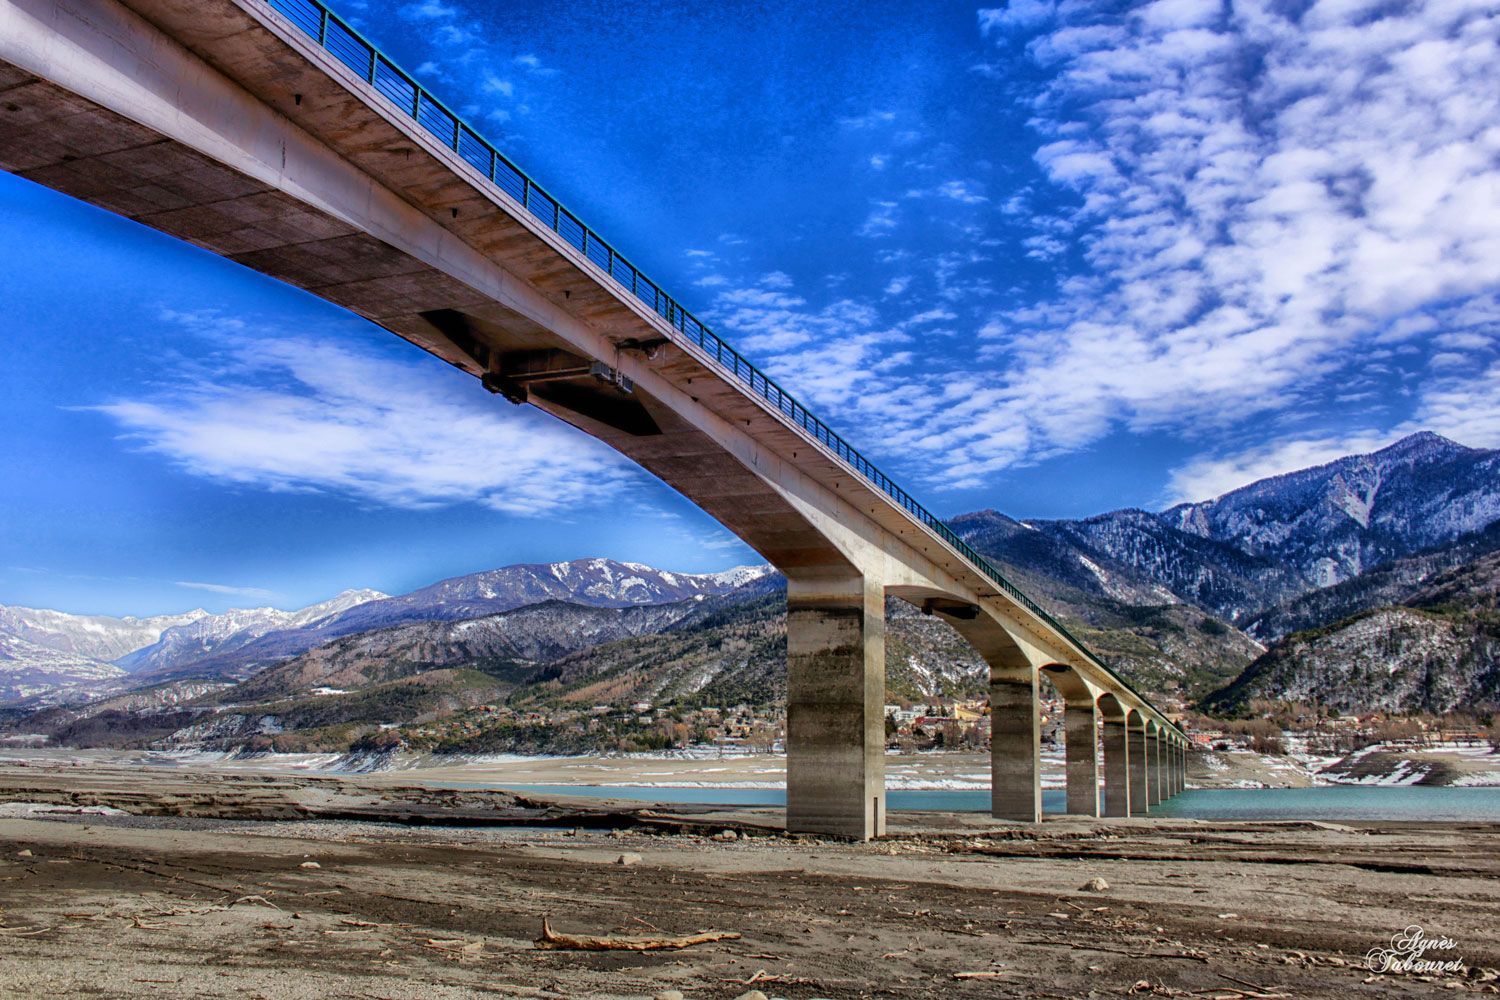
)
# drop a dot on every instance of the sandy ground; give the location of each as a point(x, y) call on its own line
point(205, 889)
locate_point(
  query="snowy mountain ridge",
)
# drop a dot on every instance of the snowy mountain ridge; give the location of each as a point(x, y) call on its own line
point(1265, 544)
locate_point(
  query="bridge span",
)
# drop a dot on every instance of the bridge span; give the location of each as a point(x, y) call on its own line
point(271, 133)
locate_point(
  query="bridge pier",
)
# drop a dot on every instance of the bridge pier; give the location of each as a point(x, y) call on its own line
point(1154, 771)
point(1081, 725)
point(1015, 743)
point(1116, 768)
point(835, 724)
point(1182, 768)
point(1139, 750)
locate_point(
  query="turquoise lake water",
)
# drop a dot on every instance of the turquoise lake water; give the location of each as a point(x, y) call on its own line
point(1327, 802)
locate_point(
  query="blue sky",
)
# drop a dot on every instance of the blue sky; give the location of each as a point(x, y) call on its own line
point(1052, 258)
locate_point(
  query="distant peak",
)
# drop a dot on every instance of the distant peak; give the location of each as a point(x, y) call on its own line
point(1422, 441)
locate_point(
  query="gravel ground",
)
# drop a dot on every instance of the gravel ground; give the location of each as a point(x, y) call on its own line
point(225, 892)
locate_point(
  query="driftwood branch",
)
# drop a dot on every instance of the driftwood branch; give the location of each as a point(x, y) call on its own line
point(586, 942)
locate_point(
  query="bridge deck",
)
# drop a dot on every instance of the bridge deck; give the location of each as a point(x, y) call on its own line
point(51, 136)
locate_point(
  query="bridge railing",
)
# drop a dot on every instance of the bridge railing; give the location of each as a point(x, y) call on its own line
point(349, 47)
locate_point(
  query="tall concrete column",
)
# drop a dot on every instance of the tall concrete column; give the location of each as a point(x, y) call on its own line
point(1154, 772)
point(1015, 743)
point(1182, 762)
point(1176, 772)
point(1116, 769)
point(1139, 804)
point(835, 725)
point(1081, 723)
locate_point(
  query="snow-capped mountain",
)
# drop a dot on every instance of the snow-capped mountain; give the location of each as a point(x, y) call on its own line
point(506, 644)
point(93, 637)
point(46, 652)
point(27, 669)
point(1265, 544)
point(234, 628)
point(600, 583)
point(43, 651)
point(1334, 521)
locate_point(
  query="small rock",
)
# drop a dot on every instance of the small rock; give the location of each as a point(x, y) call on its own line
point(628, 859)
point(23, 854)
point(752, 995)
point(668, 995)
point(726, 836)
point(309, 864)
point(1095, 884)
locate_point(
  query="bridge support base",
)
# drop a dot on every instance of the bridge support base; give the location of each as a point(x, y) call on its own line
point(1015, 744)
point(1081, 723)
point(1116, 769)
point(835, 721)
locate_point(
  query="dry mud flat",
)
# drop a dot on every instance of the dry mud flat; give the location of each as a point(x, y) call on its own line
point(185, 904)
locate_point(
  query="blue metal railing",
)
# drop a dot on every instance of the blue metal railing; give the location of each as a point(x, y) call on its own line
point(402, 90)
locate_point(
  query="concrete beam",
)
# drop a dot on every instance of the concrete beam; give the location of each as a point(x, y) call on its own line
point(835, 717)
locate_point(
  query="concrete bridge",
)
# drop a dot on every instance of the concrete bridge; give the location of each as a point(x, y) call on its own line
point(271, 133)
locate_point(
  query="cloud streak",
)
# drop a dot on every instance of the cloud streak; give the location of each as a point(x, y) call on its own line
point(305, 414)
point(220, 588)
point(1268, 202)
point(1274, 228)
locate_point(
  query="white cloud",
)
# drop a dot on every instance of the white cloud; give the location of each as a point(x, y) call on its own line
point(964, 192)
point(533, 65)
point(881, 220)
point(429, 10)
point(1264, 200)
point(1205, 478)
point(220, 588)
point(305, 414)
point(869, 120)
point(1016, 14)
point(1464, 408)
point(937, 315)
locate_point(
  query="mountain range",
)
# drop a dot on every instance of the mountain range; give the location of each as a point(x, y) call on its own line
point(1252, 551)
point(1185, 602)
point(44, 652)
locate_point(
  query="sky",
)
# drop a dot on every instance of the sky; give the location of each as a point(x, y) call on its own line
point(1048, 258)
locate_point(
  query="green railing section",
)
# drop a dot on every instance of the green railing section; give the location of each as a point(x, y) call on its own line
point(401, 89)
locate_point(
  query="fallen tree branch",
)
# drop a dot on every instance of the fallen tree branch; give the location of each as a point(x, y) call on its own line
point(584, 942)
